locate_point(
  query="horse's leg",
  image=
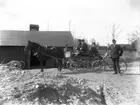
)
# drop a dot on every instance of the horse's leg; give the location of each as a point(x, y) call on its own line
point(56, 62)
point(41, 65)
point(64, 65)
point(60, 65)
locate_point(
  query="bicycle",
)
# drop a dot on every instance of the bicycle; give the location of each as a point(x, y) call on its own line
point(105, 63)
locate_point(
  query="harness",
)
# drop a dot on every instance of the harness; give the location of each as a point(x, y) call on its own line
point(48, 54)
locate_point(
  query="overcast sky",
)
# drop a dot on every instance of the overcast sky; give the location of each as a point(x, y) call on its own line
point(89, 18)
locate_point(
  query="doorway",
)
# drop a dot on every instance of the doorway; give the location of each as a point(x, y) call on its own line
point(34, 62)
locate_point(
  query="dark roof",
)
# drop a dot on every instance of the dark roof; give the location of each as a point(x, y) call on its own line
point(49, 38)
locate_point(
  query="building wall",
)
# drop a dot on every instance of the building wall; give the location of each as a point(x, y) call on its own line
point(12, 53)
point(102, 50)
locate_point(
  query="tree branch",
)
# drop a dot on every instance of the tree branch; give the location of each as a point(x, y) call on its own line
point(118, 34)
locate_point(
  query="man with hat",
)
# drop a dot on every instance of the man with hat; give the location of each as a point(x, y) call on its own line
point(94, 51)
point(84, 47)
point(115, 51)
point(79, 45)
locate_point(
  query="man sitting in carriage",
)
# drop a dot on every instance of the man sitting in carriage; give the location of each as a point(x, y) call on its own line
point(94, 51)
point(67, 51)
point(79, 45)
point(82, 48)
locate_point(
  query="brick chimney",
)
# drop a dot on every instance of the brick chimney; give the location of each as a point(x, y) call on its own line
point(34, 27)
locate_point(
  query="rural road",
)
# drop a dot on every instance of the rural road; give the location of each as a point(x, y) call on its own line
point(128, 84)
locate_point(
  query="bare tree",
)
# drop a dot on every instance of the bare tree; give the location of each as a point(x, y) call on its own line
point(132, 37)
point(134, 40)
point(115, 31)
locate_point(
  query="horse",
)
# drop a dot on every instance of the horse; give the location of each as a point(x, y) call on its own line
point(44, 53)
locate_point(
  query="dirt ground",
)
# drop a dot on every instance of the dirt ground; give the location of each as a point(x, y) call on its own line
point(125, 88)
point(118, 90)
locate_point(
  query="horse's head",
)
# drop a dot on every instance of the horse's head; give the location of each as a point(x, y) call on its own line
point(28, 47)
point(31, 46)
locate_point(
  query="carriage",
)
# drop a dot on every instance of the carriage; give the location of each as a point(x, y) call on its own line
point(73, 61)
point(93, 63)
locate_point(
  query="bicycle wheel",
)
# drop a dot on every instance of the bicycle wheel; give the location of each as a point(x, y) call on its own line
point(98, 65)
point(108, 65)
point(123, 66)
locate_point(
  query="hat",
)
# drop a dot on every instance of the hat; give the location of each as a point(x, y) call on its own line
point(79, 40)
point(93, 43)
point(113, 40)
point(83, 40)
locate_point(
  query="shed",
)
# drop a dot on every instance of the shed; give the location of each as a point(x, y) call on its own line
point(12, 43)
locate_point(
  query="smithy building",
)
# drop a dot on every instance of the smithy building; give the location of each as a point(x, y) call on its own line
point(12, 44)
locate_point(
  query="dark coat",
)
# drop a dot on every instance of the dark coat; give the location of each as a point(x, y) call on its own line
point(84, 47)
point(94, 50)
point(116, 51)
point(79, 46)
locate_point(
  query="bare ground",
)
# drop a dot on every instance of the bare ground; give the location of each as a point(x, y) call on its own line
point(123, 90)
point(118, 90)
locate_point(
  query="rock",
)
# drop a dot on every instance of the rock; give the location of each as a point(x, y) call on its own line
point(17, 95)
point(77, 102)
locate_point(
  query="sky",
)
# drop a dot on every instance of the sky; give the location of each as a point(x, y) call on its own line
point(90, 19)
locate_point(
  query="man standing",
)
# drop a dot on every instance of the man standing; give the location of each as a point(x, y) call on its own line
point(115, 51)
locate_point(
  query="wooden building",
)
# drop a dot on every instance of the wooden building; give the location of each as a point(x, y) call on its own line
point(12, 44)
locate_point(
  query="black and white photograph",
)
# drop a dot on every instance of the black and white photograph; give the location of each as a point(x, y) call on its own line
point(69, 52)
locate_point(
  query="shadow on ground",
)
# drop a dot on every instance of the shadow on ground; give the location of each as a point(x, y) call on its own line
point(84, 71)
point(131, 74)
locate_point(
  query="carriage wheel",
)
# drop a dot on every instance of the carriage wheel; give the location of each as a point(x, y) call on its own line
point(123, 66)
point(79, 63)
point(88, 65)
point(98, 65)
point(83, 65)
point(72, 65)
